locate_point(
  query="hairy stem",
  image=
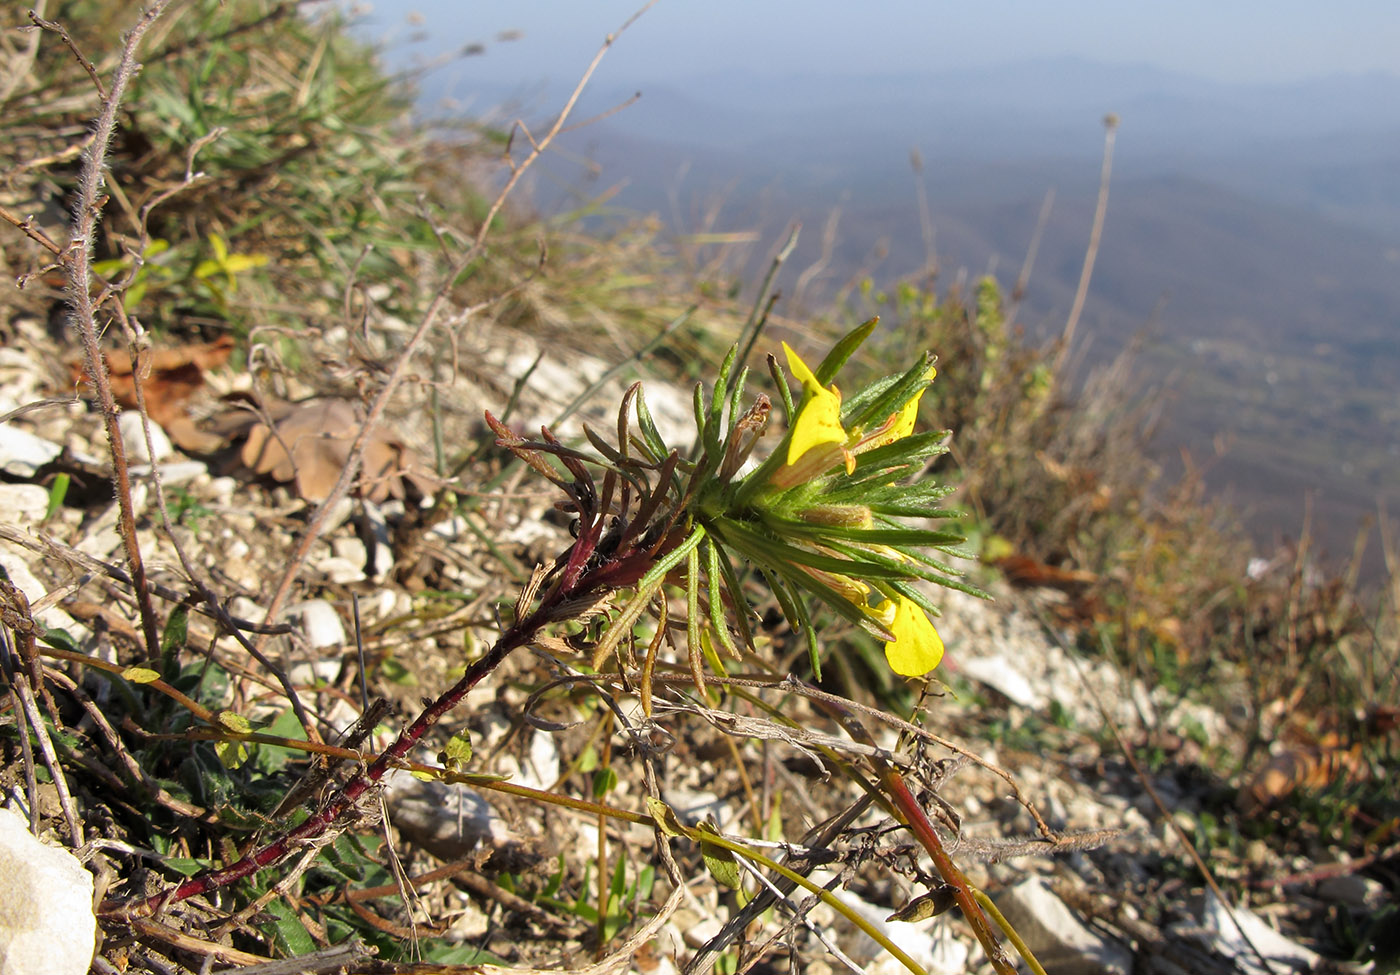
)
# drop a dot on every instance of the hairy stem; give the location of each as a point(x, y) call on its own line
point(77, 258)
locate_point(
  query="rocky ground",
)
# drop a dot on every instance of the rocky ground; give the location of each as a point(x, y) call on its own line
point(1119, 894)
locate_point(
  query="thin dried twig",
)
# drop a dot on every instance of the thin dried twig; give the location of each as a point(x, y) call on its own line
point(1110, 124)
point(430, 319)
point(77, 262)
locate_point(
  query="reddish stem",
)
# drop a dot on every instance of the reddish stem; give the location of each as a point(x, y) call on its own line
point(615, 573)
point(519, 634)
point(917, 821)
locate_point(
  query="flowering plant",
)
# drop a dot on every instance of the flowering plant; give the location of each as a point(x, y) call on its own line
point(827, 513)
point(832, 514)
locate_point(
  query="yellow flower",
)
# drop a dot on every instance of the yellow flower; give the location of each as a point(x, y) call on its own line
point(916, 648)
point(899, 425)
point(818, 420)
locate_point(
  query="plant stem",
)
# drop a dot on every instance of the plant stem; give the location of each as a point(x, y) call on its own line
point(917, 821)
point(337, 809)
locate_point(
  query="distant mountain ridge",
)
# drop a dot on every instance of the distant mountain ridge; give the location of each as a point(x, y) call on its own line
point(1253, 229)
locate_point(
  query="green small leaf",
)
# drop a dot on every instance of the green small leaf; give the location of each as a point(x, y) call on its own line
point(272, 758)
point(604, 781)
point(140, 675)
point(288, 933)
point(462, 955)
point(458, 751)
point(664, 817)
point(185, 866)
point(58, 490)
point(843, 350)
point(232, 754)
point(60, 640)
point(172, 640)
point(395, 671)
point(719, 860)
point(234, 722)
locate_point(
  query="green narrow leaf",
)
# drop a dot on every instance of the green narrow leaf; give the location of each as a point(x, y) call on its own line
point(172, 640)
point(58, 490)
point(843, 350)
point(699, 405)
point(649, 432)
point(618, 886)
point(288, 933)
point(781, 384)
point(140, 675)
point(894, 398)
point(604, 781)
point(736, 397)
point(719, 860)
point(61, 640)
point(718, 619)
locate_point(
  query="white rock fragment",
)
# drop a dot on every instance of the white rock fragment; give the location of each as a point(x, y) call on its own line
point(449, 821)
point(699, 933)
point(1059, 940)
point(540, 769)
point(23, 504)
point(1002, 676)
point(340, 571)
point(949, 955)
point(134, 440)
point(352, 550)
point(318, 623)
point(22, 453)
point(26, 582)
point(914, 938)
point(171, 475)
point(47, 926)
point(222, 489)
point(1238, 937)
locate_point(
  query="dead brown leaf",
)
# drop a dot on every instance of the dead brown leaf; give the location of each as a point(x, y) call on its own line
point(170, 377)
point(308, 444)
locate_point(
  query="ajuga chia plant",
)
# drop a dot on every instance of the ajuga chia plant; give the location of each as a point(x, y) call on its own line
point(835, 514)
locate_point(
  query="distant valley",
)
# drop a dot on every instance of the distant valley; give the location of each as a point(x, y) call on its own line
point(1253, 236)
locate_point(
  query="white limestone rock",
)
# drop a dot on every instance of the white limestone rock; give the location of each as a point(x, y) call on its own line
point(1239, 936)
point(47, 926)
point(319, 623)
point(23, 504)
point(1059, 940)
point(1001, 675)
point(134, 440)
point(22, 453)
point(449, 821)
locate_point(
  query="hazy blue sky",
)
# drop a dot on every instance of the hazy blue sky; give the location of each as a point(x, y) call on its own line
point(1228, 40)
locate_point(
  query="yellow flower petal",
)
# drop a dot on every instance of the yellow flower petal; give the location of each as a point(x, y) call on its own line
point(818, 419)
point(916, 648)
point(904, 423)
point(900, 424)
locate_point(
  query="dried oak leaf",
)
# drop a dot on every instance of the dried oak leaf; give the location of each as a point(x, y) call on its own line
point(309, 443)
point(170, 377)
